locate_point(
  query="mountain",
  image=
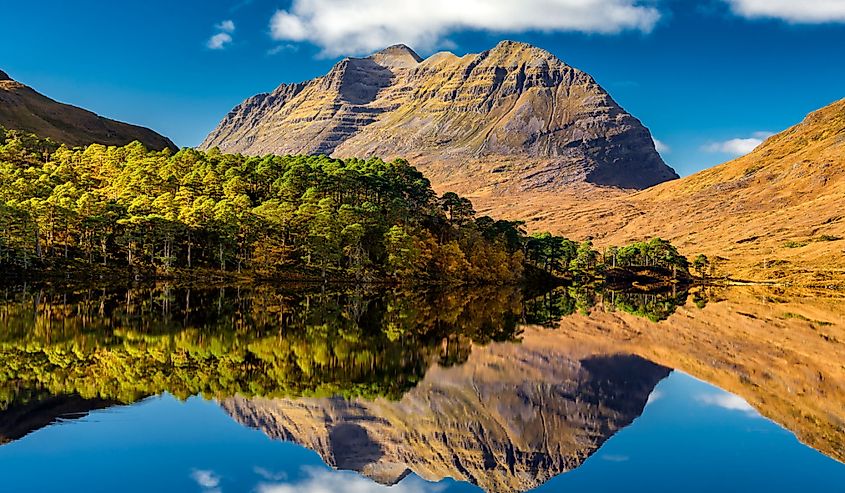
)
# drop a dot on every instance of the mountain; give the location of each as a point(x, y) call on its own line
point(510, 119)
point(776, 213)
point(509, 419)
point(22, 108)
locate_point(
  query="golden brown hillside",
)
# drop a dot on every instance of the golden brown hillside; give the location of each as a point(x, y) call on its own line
point(777, 213)
point(23, 108)
point(780, 350)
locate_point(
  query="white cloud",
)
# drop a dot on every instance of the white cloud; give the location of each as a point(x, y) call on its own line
point(738, 146)
point(270, 475)
point(350, 27)
point(208, 480)
point(226, 26)
point(727, 401)
point(654, 396)
point(282, 48)
point(219, 41)
point(810, 11)
point(615, 458)
point(324, 481)
point(661, 147)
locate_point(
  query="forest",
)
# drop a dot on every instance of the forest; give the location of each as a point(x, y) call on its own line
point(162, 214)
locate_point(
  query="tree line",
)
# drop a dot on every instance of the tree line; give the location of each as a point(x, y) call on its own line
point(124, 345)
point(156, 211)
point(163, 213)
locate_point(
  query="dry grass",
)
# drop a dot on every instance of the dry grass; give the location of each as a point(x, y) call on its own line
point(775, 214)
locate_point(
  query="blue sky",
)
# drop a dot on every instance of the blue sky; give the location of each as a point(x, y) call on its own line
point(709, 78)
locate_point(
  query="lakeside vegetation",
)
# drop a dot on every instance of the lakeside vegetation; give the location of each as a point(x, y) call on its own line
point(141, 214)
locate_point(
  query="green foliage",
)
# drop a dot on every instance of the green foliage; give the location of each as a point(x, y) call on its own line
point(798, 316)
point(123, 345)
point(653, 253)
point(559, 256)
point(131, 210)
point(585, 257)
point(552, 254)
point(795, 244)
point(701, 264)
point(653, 306)
point(158, 212)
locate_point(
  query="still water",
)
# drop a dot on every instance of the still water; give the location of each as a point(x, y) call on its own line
point(276, 389)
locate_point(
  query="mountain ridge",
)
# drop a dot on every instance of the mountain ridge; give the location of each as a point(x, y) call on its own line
point(511, 118)
point(25, 109)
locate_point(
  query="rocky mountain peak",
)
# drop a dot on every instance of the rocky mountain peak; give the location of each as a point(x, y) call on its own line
point(4, 76)
point(508, 46)
point(512, 118)
point(396, 56)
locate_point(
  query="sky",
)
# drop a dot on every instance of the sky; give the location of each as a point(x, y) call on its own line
point(709, 78)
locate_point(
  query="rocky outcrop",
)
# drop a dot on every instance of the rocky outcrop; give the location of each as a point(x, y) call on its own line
point(509, 419)
point(512, 118)
point(23, 108)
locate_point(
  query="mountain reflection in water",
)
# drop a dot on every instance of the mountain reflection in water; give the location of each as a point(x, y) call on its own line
point(492, 386)
point(510, 418)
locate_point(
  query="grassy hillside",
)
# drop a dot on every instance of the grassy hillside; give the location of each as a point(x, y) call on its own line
point(23, 108)
point(776, 213)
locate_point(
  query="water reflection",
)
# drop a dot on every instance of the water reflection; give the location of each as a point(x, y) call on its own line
point(123, 345)
point(509, 419)
point(497, 387)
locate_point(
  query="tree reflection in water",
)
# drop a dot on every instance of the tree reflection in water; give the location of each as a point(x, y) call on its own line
point(121, 345)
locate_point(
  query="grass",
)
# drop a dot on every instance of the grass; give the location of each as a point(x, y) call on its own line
point(795, 244)
point(798, 316)
point(803, 243)
point(753, 169)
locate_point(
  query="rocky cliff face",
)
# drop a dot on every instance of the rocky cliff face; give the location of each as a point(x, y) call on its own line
point(511, 418)
point(512, 118)
point(23, 108)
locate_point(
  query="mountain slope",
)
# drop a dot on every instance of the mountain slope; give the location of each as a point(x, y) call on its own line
point(512, 118)
point(22, 108)
point(776, 213)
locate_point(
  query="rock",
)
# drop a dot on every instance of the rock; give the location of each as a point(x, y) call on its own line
point(457, 118)
point(396, 57)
